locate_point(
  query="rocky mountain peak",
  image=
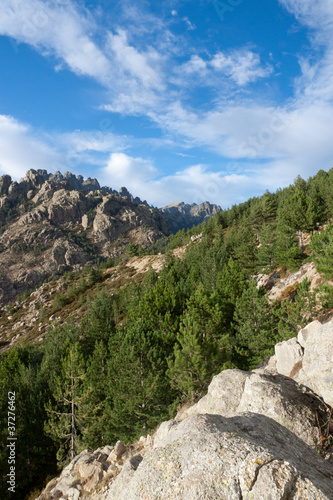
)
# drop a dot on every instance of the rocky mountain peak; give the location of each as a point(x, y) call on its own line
point(34, 179)
point(184, 215)
point(45, 212)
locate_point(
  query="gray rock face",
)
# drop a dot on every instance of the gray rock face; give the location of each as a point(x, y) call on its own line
point(224, 394)
point(181, 215)
point(61, 222)
point(65, 254)
point(305, 332)
point(317, 369)
point(288, 354)
point(5, 182)
point(247, 456)
point(274, 396)
point(310, 358)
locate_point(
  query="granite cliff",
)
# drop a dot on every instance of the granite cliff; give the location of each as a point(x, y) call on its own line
point(51, 223)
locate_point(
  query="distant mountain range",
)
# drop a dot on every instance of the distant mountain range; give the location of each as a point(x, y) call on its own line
point(183, 216)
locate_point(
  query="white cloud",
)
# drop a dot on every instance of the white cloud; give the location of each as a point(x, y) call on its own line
point(101, 141)
point(133, 77)
point(140, 66)
point(21, 150)
point(230, 73)
point(126, 170)
point(316, 82)
point(190, 26)
point(195, 65)
point(242, 66)
point(314, 13)
point(193, 184)
point(144, 79)
point(58, 28)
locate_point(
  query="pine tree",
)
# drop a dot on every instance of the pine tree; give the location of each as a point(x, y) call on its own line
point(95, 276)
point(231, 281)
point(94, 415)
point(66, 410)
point(298, 210)
point(35, 456)
point(328, 194)
point(288, 252)
point(267, 252)
point(55, 347)
point(256, 216)
point(98, 324)
point(204, 344)
point(242, 245)
point(139, 395)
point(268, 205)
point(321, 248)
point(255, 327)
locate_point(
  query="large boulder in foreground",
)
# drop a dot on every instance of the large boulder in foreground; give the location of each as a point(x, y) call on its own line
point(253, 436)
point(275, 396)
point(317, 367)
point(309, 358)
point(247, 456)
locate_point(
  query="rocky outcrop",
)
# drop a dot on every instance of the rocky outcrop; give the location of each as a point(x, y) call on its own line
point(5, 182)
point(277, 285)
point(89, 474)
point(34, 179)
point(81, 476)
point(254, 436)
point(181, 215)
point(246, 456)
point(53, 223)
point(313, 364)
point(275, 396)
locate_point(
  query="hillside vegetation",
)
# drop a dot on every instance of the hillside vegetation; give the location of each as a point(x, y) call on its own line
point(140, 349)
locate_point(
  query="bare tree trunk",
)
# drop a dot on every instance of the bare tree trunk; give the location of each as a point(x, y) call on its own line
point(300, 239)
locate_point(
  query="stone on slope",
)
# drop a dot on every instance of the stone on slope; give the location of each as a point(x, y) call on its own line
point(317, 370)
point(223, 396)
point(117, 452)
point(211, 457)
point(82, 474)
point(305, 332)
point(288, 354)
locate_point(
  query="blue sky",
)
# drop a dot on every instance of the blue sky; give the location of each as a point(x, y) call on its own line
point(177, 100)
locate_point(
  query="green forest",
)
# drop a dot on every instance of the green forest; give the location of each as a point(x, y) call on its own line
point(141, 353)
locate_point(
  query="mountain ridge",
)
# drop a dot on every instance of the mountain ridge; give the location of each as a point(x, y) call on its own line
point(182, 215)
point(51, 223)
point(55, 223)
